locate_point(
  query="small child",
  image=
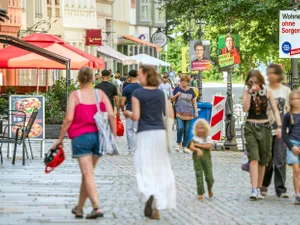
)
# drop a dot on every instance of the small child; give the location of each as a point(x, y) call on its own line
point(201, 145)
point(291, 137)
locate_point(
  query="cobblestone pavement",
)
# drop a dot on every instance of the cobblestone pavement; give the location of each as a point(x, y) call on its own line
point(29, 196)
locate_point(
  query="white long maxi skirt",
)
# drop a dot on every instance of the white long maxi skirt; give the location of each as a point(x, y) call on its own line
point(153, 169)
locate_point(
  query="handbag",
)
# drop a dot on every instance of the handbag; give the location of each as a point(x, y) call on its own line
point(107, 141)
point(168, 122)
point(120, 127)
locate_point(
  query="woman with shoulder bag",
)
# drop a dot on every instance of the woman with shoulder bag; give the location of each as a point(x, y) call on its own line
point(258, 129)
point(81, 127)
point(155, 178)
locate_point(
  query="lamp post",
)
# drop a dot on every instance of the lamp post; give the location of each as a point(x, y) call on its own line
point(202, 25)
point(230, 142)
point(294, 61)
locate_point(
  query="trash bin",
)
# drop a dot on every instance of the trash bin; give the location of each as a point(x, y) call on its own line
point(204, 112)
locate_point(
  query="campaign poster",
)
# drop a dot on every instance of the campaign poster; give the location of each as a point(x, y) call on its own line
point(289, 34)
point(200, 55)
point(229, 52)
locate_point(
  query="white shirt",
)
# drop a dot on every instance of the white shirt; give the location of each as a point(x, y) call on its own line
point(281, 96)
point(166, 87)
point(202, 141)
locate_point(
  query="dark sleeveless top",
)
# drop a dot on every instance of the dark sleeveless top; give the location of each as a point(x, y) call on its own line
point(258, 109)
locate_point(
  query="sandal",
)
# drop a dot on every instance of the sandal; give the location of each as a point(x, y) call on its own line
point(77, 212)
point(94, 214)
point(148, 207)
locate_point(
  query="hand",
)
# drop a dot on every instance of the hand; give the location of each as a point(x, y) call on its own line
point(199, 153)
point(254, 88)
point(127, 114)
point(196, 115)
point(278, 133)
point(59, 143)
point(118, 114)
point(295, 150)
point(178, 94)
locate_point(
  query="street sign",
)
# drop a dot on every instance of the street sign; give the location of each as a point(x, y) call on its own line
point(217, 117)
point(289, 34)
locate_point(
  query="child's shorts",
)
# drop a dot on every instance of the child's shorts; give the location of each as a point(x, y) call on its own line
point(291, 158)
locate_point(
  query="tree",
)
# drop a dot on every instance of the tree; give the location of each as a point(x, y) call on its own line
point(256, 21)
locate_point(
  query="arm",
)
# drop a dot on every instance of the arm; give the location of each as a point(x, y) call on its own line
point(193, 147)
point(171, 110)
point(135, 114)
point(195, 106)
point(207, 146)
point(246, 101)
point(123, 101)
point(285, 135)
point(68, 118)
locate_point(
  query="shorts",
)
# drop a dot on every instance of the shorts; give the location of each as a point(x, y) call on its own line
point(258, 143)
point(86, 144)
point(291, 158)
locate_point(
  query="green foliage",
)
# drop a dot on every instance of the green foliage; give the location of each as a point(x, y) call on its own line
point(256, 21)
point(10, 91)
point(56, 101)
point(3, 106)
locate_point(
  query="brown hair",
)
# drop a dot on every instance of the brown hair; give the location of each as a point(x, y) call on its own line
point(185, 78)
point(85, 75)
point(277, 70)
point(291, 107)
point(153, 78)
point(257, 74)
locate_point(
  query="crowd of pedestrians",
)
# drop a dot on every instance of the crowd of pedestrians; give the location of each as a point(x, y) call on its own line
point(272, 132)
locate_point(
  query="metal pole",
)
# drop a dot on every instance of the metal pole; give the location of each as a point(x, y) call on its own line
point(200, 84)
point(295, 72)
point(68, 74)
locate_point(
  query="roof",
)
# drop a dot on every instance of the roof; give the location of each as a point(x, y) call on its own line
point(137, 40)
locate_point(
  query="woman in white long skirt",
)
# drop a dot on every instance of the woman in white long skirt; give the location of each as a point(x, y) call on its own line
point(155, 178)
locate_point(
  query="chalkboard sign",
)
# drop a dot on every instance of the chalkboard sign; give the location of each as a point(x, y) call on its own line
point(27, 104)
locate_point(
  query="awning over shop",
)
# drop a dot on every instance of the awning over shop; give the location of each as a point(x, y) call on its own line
point(106, 50)
point(149, 60)
point(134, 39)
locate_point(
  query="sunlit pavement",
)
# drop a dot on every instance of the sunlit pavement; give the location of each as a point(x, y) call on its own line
point(29, 196)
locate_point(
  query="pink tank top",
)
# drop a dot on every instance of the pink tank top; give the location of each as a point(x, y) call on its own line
point(83, 121)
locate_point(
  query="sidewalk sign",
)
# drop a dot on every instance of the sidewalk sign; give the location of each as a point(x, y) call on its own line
point(217, 117)
point(289, 34)
point(27, 103)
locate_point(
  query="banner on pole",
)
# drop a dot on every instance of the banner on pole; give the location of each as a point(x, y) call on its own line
point(289, 34)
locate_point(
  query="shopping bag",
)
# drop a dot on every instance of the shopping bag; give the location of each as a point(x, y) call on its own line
point(107, 141)
point(120, 127)
point(168, 122)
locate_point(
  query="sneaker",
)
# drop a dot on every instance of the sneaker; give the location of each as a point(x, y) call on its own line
point(200, 197)
point(259, 195)
point(264, 191)
point(186, 150)
point(254, 196)
point(284, 195)
point(178, 147)
point(297, 200)
point(155, 215)
point(148, 207)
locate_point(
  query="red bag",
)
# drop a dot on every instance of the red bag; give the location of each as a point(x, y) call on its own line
point(120, 127)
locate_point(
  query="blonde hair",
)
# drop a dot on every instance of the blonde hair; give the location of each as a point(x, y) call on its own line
point(203, 123)
point(291, 107)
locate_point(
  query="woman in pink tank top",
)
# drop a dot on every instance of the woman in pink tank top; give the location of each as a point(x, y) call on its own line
point(81, 127)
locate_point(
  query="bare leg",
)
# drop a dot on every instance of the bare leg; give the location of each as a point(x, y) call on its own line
point(261, 174)
point(254, 173)
point(296, 174)
point(88, 186)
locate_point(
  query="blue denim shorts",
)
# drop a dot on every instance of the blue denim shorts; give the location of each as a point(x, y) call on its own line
point(291, 158)
point(86, 144)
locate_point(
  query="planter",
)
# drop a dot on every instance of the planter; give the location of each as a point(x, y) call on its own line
point(52, 131)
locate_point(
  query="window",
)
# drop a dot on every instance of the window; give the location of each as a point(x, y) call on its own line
point(145, 10)
point(56, 2)
point(49, 12)
point(57, 13)
point(49, 2)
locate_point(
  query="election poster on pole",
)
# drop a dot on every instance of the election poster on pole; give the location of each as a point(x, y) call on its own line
point(289, 34)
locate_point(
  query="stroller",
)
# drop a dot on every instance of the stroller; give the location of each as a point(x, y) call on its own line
point(245, 164)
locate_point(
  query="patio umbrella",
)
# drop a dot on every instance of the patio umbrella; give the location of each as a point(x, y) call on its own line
point(15, 58)
point(148, 60)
